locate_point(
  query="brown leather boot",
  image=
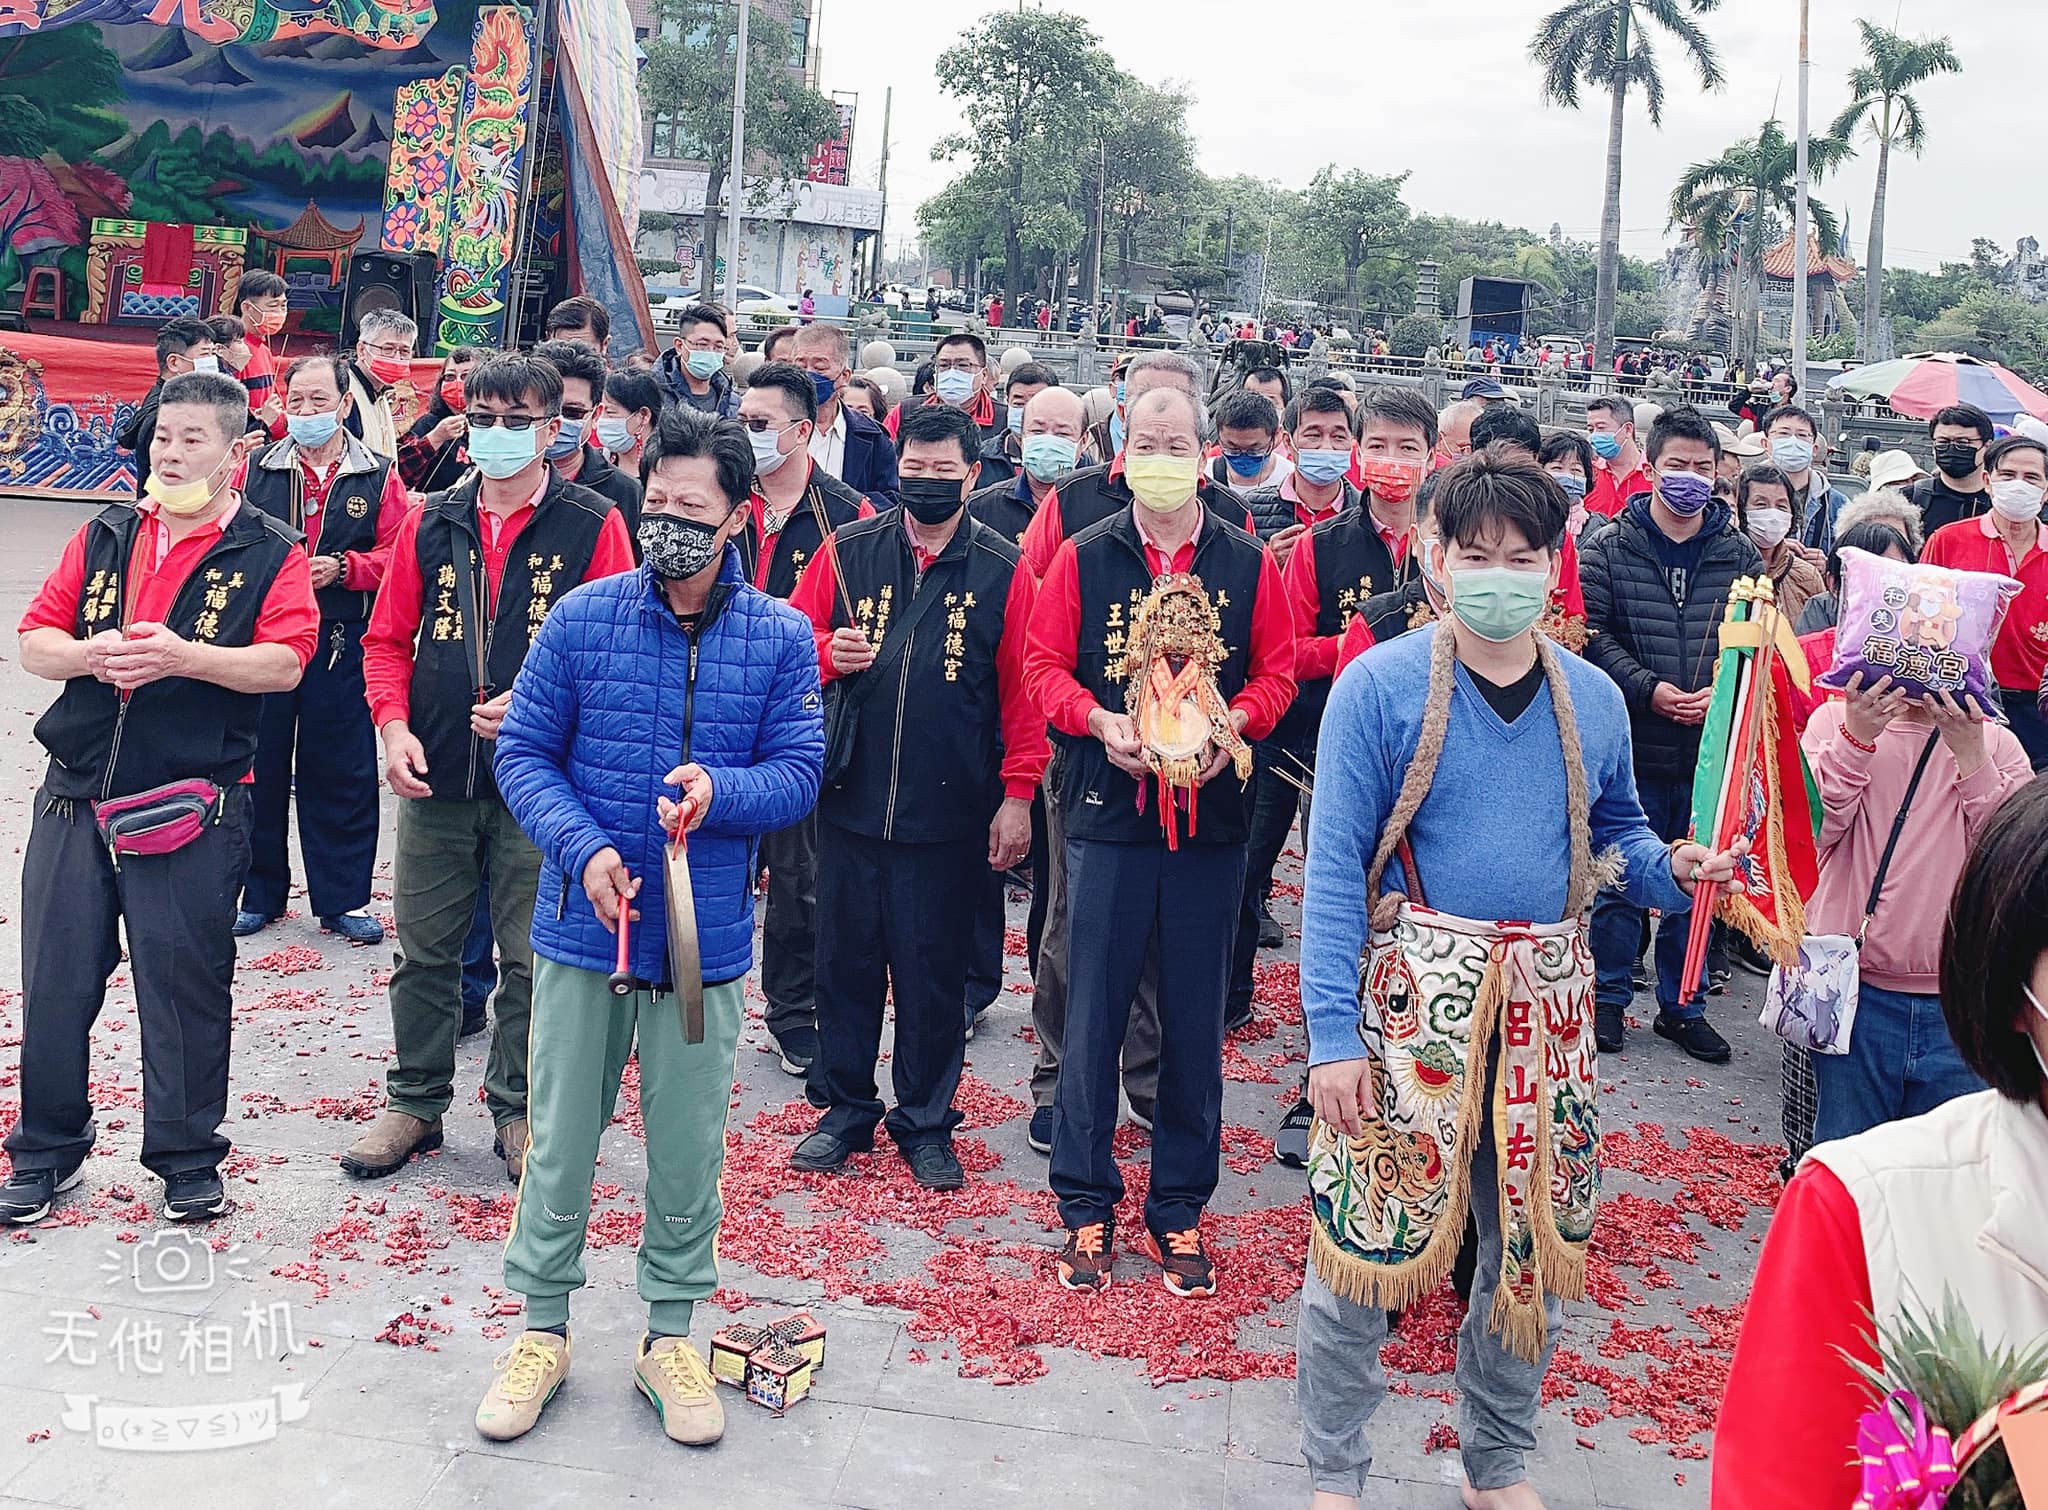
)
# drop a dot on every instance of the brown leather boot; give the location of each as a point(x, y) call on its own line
point(510, 1145)
point(388, 1143)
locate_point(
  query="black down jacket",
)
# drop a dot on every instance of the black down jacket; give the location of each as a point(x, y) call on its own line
point(1641, 637)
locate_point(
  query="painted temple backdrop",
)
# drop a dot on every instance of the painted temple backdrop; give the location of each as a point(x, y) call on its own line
point(288, 135)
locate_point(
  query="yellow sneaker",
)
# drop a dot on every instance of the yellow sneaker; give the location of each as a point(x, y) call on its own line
point(528, 1376)
point(676, 1379)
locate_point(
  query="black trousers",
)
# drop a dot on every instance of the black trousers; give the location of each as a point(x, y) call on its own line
point(893, 920)
point(789, 929)
point(319, 732)
point(1121, 899)
point(985, 969)
point(179, 910)
point(1274, 800)
point(2027, 725)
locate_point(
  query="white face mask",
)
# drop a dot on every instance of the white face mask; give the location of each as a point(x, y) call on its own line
point(2035, 1002)
point(2015, 498)
point(1768, 527)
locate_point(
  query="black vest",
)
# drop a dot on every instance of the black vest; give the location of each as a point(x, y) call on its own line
point(348, 522)
point(1098, 801)
point(1352, 565)
point(1272, 513)
point(927, 753)
point(550, 556)
point(178, 728)
point(825, 495)
point(1003, 511)
point(1392, 614)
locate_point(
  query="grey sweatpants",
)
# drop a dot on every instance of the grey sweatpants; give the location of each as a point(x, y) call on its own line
point(1339, 1382)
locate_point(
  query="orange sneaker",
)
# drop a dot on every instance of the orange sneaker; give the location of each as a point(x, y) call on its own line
point(1183, 1262)
point(1090, 1253)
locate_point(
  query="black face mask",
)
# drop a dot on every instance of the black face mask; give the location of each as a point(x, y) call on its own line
point(931, 500)
point(1956, 458)
point(677, 549)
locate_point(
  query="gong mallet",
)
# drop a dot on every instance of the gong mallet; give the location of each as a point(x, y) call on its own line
point(622, 981)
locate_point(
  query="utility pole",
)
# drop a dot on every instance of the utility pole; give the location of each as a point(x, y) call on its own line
point(1265, 263)
point(888, 99)
point(1799, 219)
point(1229, 233)
point(737, 176)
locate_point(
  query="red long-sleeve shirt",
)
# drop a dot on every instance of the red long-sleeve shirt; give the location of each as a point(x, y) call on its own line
point(362, 571)
point(1315, 655)
point(1787, 1433)
point(2020, 653)
point(395, 620)
point(1053, 648)
point(1609, 492)
point(1026, 750)
point(259, 377)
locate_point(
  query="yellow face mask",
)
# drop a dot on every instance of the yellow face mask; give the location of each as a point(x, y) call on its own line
point(1162, 483)
point(184, 499)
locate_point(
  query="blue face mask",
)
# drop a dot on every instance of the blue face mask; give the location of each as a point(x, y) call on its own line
point(569, 442)
point(1116, 432)
point(1015, 418)
point(312, 429)
point(614, 434)
point(206, 364)
point(953, 386)
point(1605, 446)
point(1119, 392)
point(1792, 452)
point(1322, 467)
point(705, 365)
point(500, 452)
point(1246, 463)
point(824, 387)
point(1574, 485)
point(1046, 456)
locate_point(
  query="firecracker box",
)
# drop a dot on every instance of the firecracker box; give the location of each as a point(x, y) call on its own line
point(778, 1377)
point(732, 1347)
point(804, 1332)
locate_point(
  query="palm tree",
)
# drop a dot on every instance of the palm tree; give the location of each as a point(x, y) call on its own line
point(1604, 44)
point(1727, 201)
point(1882, 104)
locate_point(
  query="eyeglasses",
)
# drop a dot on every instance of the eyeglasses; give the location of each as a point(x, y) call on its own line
point(575, 411)
point(392, 350)
point(761, 426)
point(481, 420)
point(968, 365)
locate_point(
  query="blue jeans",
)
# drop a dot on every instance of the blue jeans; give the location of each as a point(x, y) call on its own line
point(1618, 922)
point(479, 960)
point(1901, 1062)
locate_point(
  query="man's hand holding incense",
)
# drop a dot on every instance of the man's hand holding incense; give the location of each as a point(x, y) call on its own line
point(1693, 863)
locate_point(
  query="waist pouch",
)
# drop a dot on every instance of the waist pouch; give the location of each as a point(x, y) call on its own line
point(159, 821)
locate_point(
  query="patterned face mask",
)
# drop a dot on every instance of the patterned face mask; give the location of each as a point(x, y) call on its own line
point(677, 549)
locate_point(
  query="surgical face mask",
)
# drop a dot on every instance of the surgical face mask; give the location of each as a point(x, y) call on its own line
point(1956, 458)
point(569, 441)
point(1120, 393)
point(207, 363)
point(931, 500)
point(1162, 483)
point(953, 386)
point(452, 394)
point(312, 430)
point(824, 387)
point(1391, 479)
point(677, 549)
point(1116, 432)
point(387, 371)
point(500, 452)
point(768, 452)
point(704, 365)
point(1499, 603)
point(1246, 463)
point(614, 434)
point(1573, 484)
point(2015, 498)
point(264, 325)
point(1768, 527)
point(1684, 493)
point(2035, 1002)
point(1046, 456)
point(1015, 418)
point(1794, 453)
point(1605, 446)
point(184, 499)
point(1322, 465)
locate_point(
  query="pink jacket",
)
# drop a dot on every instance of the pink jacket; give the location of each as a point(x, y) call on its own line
point(1860, 796)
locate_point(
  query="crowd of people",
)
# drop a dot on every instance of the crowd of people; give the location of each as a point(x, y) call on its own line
point(621, 626)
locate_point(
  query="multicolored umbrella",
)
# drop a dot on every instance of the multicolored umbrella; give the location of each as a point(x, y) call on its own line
point(1927, 382)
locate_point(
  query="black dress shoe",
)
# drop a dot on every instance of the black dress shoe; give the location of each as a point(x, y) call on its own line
point(823, 1153)
point(1271, 934)
point(1695, 1035)
point(933, 1166)
point(815, 1094)
point(1610, 1028)
point(473, 1023)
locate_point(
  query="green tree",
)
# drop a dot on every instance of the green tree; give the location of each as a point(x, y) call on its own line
point(1358, 216)
point(1413, 335)
point(1882, 104)
point(1998, 326)
point(53, 87)
point(1029, 83)
point(689, 77)
point(1729, 200)
point(1604, 45)
point(1147, 161)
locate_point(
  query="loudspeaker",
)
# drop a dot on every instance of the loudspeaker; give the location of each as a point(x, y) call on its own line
point(403, 281)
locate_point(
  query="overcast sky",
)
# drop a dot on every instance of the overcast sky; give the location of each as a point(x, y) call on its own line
point(1445, 87)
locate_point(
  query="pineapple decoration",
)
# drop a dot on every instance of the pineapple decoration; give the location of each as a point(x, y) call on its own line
point(1169, 670)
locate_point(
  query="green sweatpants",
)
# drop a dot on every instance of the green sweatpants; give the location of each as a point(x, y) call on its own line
point(580, 1037)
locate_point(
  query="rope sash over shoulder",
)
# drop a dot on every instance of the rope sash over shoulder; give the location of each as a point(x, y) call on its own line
point(1440, 997)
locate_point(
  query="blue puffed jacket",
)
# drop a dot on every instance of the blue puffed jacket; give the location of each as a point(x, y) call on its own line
point(612, 697)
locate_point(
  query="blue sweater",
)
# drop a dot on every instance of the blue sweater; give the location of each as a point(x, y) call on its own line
point(597, 722)
point(1490, 839)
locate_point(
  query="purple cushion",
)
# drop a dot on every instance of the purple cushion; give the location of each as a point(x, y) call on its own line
point(1928, 628)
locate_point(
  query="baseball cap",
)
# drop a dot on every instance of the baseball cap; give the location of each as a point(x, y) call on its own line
point(1483, 387)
